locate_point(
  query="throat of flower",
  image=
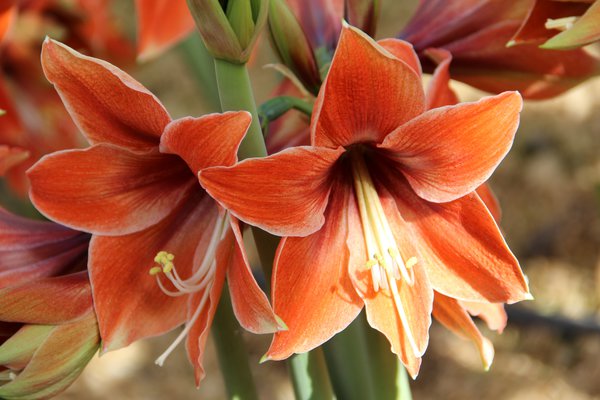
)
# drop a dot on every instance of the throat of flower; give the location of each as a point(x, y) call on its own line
point(172, 284)
point(388, 268)
point(562, 24)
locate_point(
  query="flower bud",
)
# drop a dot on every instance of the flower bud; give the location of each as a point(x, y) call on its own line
point(229, 29)
point(292, 45)
point(363, 14)
point(57, 338)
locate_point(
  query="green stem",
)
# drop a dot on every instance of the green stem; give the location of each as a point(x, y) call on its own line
point(310, 376)
point(235, 93)
point(349, 363)
point(202, 66)
point(309, 373)
point(389, 375)
point(232, 352)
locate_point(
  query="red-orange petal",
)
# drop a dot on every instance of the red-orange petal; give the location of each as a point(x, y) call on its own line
point(47, 301)
point(208, 141)
point(198, 335)
point(448, 152)
point(367, 94)
point(493, 314)
point(491, 202)
point(250, 304)
point(484, 61)
point(129, 303)
point(533, 30)
point(161, 24)
point(452, 315)
point(106, 104)
point(11, 156)
point(31, 249)
point(312, 291)
point(438, 92)
point(108, 190)
point(464, 252)
point(404, 51)
point(285, 194)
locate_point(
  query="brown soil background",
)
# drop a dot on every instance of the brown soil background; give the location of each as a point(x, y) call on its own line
point(549, 188)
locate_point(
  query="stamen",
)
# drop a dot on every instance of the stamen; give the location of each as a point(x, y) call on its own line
point(201, 279)
point(387, 266)
point(562, 24)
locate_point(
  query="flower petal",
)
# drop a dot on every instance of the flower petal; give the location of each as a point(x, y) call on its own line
point(31, 249)
point(108, 190)
point(405, 321)
point(58, 362)
point(367, 94)
point(161, 23)
point(439, 93)
point(208, 141)
point(482, 60)
point(312, 291)
point(11, 156)
point(119, 268)
point(533, 30)
point(250, 304)
point(464, 252)
point(584, 31)
point(453, 316)
point(493, 314)
point(289, 190)
point(47, 301)
point(198, 335)
point(448, 152)
point(106, 104)
point(491, 202)
point(404, 51)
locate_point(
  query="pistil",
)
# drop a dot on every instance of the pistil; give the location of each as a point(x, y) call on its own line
point(200, 281)
point(385, 261)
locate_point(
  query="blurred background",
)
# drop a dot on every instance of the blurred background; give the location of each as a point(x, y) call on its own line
point(549, 190)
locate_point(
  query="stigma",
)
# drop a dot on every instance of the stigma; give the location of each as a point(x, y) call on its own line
point(390, 269)
point(172, 284)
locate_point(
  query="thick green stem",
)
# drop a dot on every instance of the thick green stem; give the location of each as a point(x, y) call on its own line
point(236, 94)
point(309, 372)
point(389, 375)
point(310, 377)
point(231, 350)
point(349, 363)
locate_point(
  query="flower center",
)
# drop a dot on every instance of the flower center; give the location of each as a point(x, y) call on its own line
point(200, 281)
point(385, 261)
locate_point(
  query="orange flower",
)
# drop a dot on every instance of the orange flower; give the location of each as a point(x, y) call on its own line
point(144, 206)
point(380, 210)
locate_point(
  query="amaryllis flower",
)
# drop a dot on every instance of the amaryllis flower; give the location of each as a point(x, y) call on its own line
point(559, 24)
point(161, 24)
point(477, 34)
point(379, 211)
point(57, 335)
point(145, 208)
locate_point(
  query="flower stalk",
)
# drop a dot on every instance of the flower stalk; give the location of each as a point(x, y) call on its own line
point(308, 371)
point(232, 353)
